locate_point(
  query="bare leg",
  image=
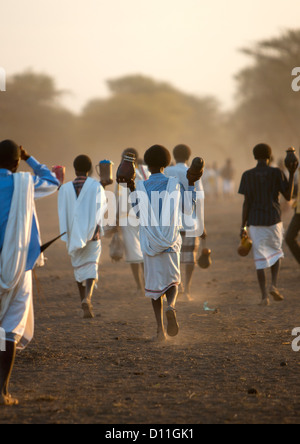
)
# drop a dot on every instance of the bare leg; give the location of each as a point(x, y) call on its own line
point(135, 268)
point(275, 273)
point(89, 290)
point(261, 275)
point(7, 360)
point(158, 311)
point(171, 296)
point(81, 291)
point(189, 270)
point(86, 294)
point(173, 327)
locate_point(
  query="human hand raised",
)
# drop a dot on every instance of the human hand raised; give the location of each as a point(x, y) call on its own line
point(24, 154)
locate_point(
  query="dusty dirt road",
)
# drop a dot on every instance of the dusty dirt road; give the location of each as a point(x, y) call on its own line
point(236, 366)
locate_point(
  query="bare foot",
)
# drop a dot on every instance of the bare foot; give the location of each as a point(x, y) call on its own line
point(8, 400)
point(181, 289)
point(265, 302)
point(160, 337)
point(173, 327)
point(188, 296)
point(87, 311)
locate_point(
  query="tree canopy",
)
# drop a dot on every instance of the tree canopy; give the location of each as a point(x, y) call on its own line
point(141, 111)
point(267, 107)
point(31, 115)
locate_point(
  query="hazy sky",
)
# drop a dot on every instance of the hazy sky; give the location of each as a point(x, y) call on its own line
point(193, 44)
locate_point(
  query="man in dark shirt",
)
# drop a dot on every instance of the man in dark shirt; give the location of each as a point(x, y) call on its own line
point(262, 187)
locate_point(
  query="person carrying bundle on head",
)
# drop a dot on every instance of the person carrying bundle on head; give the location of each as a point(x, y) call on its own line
point(81, 207)
point(20, 249)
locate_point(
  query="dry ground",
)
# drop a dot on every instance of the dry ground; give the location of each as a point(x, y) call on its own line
point(109, 371)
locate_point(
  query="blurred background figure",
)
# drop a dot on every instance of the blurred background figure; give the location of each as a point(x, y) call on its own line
point(228, 175)
point(212, 181)
point(129, 228)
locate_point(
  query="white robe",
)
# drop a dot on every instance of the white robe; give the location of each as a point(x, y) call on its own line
point(157, 236)
point(16, 313)
point(162, 268)
point(79, 217)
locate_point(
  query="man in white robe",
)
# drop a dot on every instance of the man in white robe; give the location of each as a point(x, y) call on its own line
point(81, 208)
point(159, 208)
point(20, 248)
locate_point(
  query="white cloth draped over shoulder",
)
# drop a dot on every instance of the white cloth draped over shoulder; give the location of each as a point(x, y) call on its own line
point(79, 217)
point(157, 236)
point(17, 239)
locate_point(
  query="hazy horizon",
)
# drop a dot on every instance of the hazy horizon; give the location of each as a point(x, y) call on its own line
point(193, 45)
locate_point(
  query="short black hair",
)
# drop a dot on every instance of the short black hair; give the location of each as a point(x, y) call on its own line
point(83, 164)
point(157, 156)
point(182, 152)
point(10, 152)
point(262, 151)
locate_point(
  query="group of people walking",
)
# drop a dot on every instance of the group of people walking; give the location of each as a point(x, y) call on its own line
point(156, 247)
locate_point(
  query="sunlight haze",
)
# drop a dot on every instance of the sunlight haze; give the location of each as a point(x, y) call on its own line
point(191, 44)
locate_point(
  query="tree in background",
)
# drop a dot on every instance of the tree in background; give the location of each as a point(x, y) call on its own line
point(142, 112)
point(268, 110)
point(31, 115)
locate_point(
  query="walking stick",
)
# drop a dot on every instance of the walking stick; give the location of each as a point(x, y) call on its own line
point(47, 245)
point(43, 248)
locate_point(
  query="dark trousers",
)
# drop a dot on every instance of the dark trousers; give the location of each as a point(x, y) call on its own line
point(291, 237)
